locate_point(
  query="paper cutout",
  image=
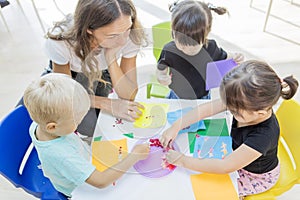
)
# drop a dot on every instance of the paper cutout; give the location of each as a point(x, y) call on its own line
point(214, 127)
point(153, 116)
point(98, 138)
point(130, 135)
point(173, 116)
point(212, 147)
point(108, 153)
point(213, 186)
point(155, 166)
point(216, 70)
point(192, 139)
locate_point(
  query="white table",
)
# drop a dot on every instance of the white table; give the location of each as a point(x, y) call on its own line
point(132, 185)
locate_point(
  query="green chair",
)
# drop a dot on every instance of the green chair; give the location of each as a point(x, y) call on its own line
point(288, 115)
point(161, 34)
point(157, 90)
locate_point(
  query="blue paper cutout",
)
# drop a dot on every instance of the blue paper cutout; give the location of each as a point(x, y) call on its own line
point(173, 116)
point(212, 146)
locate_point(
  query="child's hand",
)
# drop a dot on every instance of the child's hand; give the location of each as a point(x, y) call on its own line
point(238, 57)
point(168, 137)
point(163, 77)
point(174, 157)
point(141, 151)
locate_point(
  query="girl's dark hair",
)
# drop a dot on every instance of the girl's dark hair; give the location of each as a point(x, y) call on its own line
point(192, 21)
point(90, 15)
point(253, 86)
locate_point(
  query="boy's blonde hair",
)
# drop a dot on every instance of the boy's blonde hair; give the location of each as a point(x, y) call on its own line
point(54, 97)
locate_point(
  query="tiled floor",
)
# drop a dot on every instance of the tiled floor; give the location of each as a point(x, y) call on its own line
point(22, 58)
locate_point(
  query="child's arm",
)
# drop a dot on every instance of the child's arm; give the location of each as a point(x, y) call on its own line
point(241, 157)
point(107, 177)
point(200, 112)
point(163, 76)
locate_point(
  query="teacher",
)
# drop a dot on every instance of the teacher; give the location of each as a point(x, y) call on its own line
point(97, 47)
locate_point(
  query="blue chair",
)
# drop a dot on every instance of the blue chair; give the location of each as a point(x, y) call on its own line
point(15, 147)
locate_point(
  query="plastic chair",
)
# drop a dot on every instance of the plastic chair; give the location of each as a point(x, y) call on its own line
point(36, 12)
point(157, 90)
point(288, 115)
point(2, 5)
point(268, 13)
point(161, 34)
point(15, 148)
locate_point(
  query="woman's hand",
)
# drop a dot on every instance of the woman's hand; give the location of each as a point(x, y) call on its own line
point(168, 137)
point(124, 109)
point(111, 55)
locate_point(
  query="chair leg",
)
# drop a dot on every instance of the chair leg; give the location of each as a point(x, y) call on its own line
point(56, 5)
point(267, 15)
point(4, 21)
point(38, 16)
point(21, 7)
point(251, 3)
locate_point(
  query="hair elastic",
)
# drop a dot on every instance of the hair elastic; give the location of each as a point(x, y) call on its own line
point(173, 5)
point(211, 6)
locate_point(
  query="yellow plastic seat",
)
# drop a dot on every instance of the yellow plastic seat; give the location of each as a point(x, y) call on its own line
point(161, 34)
point(288, 115)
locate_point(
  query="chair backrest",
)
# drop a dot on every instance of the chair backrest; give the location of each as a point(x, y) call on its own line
point(161, 34)
point(16, 152)
point(288, 115)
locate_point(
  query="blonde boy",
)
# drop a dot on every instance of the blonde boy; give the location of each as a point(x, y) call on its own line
point(57, 104)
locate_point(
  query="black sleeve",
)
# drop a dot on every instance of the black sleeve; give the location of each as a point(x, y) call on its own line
point(162, 63)
point(215, 52)
point(261, 140)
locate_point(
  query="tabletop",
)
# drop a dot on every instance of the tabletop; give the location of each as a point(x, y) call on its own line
point(132, 185)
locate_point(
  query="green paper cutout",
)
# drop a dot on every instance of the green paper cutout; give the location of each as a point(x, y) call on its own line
point(98, 138)
point(130, 135)
point(214, 127)
point(192, 139)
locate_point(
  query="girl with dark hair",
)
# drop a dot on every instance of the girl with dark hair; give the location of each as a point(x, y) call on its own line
point(182, 63)
point(249, 92)
point(98, 48)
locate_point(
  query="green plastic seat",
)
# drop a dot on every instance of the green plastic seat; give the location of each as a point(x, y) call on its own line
point(161, 34)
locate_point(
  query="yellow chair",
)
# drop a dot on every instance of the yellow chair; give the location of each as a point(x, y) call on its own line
point(288, 115)
point(161, 34)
